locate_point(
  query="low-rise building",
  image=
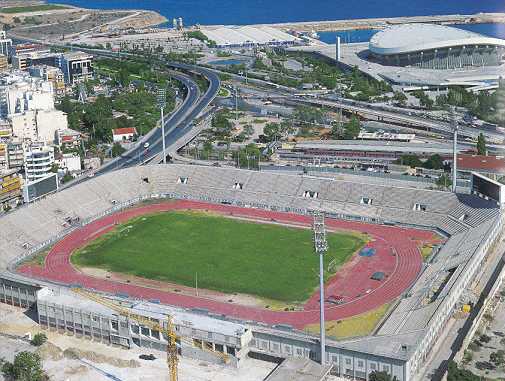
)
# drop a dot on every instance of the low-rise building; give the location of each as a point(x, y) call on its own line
point(4, 63)
point(92, 163)
point(76, 66)
point(5, 44)
point(39, 161)
point(69, 162)
point(38, 125)
point(3, 157)
point(51, 74)
point(5, 129)
point(68, 137)
point(123, 134)
point(10, 185)
point(15, 155)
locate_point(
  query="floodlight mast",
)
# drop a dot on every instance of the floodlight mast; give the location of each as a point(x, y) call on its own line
point(162, 99)
point(320, 248)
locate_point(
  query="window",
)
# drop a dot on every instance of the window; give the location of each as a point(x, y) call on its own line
point(238, 186)
point(373, 366)
point(114, 325)
point(360, 364)
point(366, 201)
point(420, 207)
point(310, 194)
point(385, 368)
point(348, 362)
point(182, 180)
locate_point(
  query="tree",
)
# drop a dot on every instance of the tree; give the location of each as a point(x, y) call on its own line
point(456, 374)
point(411, 160)
point(117, 149)
point(434, 162)
point(272, 132)
point(444, 181)
point(39, 338)
point(381, 376)
point(481, 145)
point(400, 98)
point(352, 128)
point(27, 366)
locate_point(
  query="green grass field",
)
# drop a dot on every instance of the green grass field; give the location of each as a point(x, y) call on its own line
point(32, 8)
point(229, 255)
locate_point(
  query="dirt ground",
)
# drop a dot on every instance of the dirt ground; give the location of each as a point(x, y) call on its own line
point(70, 23)
point(67, 358)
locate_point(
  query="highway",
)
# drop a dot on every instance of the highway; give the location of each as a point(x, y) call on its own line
point(177, 124)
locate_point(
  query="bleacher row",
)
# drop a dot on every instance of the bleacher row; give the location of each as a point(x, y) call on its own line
point(32, 225)
point(416, 309)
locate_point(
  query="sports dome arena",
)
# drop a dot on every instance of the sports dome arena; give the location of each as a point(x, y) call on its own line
point(431, 46)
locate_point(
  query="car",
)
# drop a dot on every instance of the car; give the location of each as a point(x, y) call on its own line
point(146, 145)
point(149, 357)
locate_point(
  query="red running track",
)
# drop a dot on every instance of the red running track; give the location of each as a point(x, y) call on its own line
point(396, 255)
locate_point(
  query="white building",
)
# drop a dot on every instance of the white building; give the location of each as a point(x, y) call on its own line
point(40, 125)
point(69, 162)
point(48, 123)
point(19, 92)
point(5, 43)
point(123, 134)
point(24, 125)
point(39, 160)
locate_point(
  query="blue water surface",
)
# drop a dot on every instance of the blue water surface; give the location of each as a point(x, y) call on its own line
point(268, 11)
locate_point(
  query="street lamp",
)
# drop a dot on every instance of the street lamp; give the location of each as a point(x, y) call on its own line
point(161, 97)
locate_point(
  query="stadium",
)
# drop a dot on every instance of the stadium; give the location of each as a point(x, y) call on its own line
point(431, 46)
point(379, 230)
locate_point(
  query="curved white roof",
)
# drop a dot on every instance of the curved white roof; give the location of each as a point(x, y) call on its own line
point(408, 38)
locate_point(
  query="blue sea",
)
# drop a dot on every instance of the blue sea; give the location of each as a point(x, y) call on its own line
point(239, 12)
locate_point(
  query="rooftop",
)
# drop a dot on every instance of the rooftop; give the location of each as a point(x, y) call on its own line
point(235, 36)
point(478, 163)
point(377, 146)
point(299, 369)
point(415, 37)
point(124, 131)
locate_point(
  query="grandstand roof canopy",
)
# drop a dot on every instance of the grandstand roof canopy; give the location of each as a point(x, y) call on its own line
point(408, 38)
point(248, 35)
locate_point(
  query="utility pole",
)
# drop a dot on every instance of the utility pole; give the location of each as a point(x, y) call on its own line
point(236, 103)
point(162, 100)
point(320, 248)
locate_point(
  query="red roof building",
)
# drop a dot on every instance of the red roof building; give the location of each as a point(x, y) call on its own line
point(123, 134)
point(494, 165)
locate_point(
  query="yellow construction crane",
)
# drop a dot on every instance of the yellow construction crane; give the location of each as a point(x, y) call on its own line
point(168, 330)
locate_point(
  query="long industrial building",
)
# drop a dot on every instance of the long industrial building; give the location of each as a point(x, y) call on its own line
point(431, 46)
point(472, 224)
